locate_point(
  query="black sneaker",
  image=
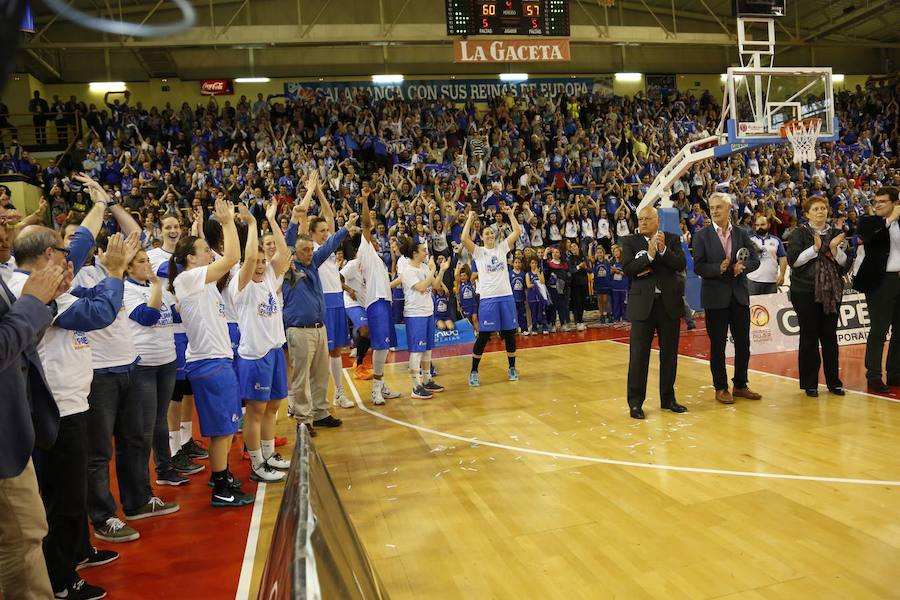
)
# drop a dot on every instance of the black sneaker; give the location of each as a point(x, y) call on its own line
point(433, 387)
point(233, 482)
point(182, 463)
point(81, 590)
point(328, 421)
point(231, 497)
point(195, 450)
point(97, 559)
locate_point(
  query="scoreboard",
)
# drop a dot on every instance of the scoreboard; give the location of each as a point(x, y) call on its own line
point(508, 17)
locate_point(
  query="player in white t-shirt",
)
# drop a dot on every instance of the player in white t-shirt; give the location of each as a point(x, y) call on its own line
point(261, 366)
point(209, 356)
point(496, 307)
point(377, 302)
point(418, 279)
point(354, 292)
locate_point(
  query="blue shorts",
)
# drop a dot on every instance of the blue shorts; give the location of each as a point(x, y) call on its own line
point(336, 327)
point(381, 325)
point(216, 395)
point(497, 314)
point(397, 310)
point(265, 378)
point(358, 316)
point(181, 343)
point(420, 333)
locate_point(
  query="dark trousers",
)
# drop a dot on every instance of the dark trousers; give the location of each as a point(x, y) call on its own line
point(151, 389)
point(579, 297)
point(521, 315)
point(884, 314)
point(538, 316)
point(561, 307)
point(114, 412)
point(816, 328)
point(718, 321)
point(617, 304)
point(667, 328)
point(62, 476)
point(756, 288)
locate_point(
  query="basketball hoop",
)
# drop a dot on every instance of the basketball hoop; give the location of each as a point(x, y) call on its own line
point(802, 136)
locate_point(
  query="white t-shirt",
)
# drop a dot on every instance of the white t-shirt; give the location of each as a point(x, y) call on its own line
point(65, 354)
point(155, 344)
point(416, 304)
point(230, 312)
point(353, 279)
point(378, 282)
point(8, 268)
point(158, 257)
point(203, 313)
point(769, 249)
point(329, 274)
point(259, 316)
point(493, 277)
point(111, 346)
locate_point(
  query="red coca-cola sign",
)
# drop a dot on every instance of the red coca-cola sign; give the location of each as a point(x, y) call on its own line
point(217, 87)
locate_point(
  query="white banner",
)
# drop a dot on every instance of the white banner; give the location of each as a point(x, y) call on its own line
point(774, 327)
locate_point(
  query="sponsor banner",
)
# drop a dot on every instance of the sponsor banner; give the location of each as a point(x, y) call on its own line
point(510, 51)
point(457, 90)
point(216, 87)
point(463, 333)
point(774, 326)
point(603, 84)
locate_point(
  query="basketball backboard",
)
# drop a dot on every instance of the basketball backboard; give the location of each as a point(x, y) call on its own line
point(761, 100)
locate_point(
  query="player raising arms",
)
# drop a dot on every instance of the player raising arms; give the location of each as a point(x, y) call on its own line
point(497, 308)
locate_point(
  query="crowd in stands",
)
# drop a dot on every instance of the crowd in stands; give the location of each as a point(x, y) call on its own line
point(574, 167)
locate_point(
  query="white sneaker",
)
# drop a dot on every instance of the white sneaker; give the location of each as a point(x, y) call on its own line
point(580, 327)
point(377, 398)
point(265, 473)
point(553, 329)
point(278, 462)
point(388, 393)
point(341, 399)
point(525, 333)
point(353, 353)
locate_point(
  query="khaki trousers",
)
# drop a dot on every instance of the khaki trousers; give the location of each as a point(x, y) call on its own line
point(309, 377)
point(23, 526)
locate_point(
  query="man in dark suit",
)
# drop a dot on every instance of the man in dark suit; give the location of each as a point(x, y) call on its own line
point(723, 255)
point(652, 259)
point(879, 278)
point(28, 417)
point(40, 112)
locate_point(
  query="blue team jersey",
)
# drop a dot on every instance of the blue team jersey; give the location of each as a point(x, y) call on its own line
point(517, 283)
point(534, 294)
point(441, 306)
point(602, 276)
point(467, 301)
point(618, 281)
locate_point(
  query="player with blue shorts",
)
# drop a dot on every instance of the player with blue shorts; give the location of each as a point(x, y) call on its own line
point(496, 306)
point(209, 358)
point(377, 301)
point(354, 291)
point(418, 280)
point(261, 366)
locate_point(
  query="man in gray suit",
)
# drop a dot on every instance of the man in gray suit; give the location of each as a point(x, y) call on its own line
point(28, 417)
point(723, 255)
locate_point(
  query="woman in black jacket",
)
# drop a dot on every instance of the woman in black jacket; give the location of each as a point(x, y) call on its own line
point(818, 263)
point(578, 274)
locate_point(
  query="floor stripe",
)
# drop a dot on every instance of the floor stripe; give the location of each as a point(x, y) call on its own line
point(610, 461)
point(243, 589)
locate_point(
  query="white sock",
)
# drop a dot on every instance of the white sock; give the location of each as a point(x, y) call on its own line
point(336, 368)
point(268, 448)
point(186, 431)
point(174, 442)
point(243, 410)
point(378, 359)
point(426, 366)
point(256, 458)
point(415, 366)
point(377, 385)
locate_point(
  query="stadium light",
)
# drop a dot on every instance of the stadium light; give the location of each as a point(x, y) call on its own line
point(252, 80)
point(837, 78)
point(513, 76)
point(724, 77)
point(106, 86)
point(387, 78)
point(628, 77)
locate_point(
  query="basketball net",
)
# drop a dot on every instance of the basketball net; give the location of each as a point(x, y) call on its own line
point(802, 136)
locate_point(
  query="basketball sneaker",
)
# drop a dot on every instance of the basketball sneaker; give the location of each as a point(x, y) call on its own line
point(473, 379)
point(341, 399)
point(421, 393)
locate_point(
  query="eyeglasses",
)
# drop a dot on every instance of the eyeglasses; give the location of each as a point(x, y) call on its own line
point(65, 251)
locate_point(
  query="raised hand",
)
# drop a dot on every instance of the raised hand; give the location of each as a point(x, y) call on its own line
point(313, 180)
point(115, 255)
point(246, 216)
point(96, 191)
point(817, 241)
point(132, 245)
point(224, 212)
point(837, 241)
point(44, 284)
point(272, 211)
point(351, 221)
point(660, 241)
point(297, 213)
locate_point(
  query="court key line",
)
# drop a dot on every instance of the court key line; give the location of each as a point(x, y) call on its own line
point(243, 588)
point(609, 461)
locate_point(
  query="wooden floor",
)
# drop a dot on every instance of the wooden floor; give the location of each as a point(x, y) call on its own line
point(444, 516)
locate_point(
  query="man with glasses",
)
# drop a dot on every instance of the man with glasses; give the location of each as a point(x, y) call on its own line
point(879, 278)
